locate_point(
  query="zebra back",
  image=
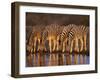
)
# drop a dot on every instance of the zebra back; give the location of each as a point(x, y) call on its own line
point(66, 31)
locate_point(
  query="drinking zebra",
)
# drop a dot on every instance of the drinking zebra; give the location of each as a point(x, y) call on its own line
point(65, 36)
point(85, 32)
point(68, 37)
point(74, 37)
point(77, 38)
point(35, 37)
point(51, 34)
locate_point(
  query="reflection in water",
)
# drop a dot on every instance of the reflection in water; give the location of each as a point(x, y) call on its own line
point(54, 59)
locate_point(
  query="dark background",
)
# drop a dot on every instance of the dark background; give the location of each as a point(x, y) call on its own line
point(61, 19)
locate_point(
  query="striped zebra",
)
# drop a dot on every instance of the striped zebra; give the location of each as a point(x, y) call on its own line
point(71, 36)
point(65, 36)
point(35, 37)
point(58, 40)
point(78, 35)
point(50, 33)
point(29, 45)
point(74, 36)
point(85, 32)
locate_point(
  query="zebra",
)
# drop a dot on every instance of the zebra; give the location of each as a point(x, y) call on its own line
point(57, 36)
point(35, 37)
point(65, 36)
point(51, 33)
point(29, 42)
point(73, 34)
point(78, 34)
point(58, 40)
point(85, 31)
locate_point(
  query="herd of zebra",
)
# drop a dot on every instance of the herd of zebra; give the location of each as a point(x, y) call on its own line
point(54, 37)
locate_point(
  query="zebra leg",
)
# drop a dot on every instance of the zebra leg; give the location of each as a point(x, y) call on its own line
point(57, 45)
point(71, 48)
point(85, 43)
point(38, 45)
point(81, 44)
point(63, 46)
point(50, 46)
point(54, 46)
point(35, 44)
point(76, 45)
point(44, 47)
